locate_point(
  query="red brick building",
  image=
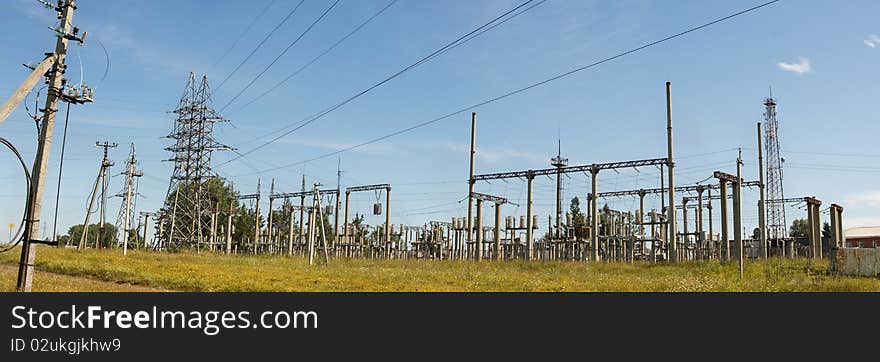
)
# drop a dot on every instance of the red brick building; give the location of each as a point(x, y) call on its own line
point(862, 237)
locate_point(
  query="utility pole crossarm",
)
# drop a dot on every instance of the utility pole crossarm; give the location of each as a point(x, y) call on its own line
point(490, 198)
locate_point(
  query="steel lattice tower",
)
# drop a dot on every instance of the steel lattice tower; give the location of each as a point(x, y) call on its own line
point(125, 218)
point(776, 226)
point(187, 210)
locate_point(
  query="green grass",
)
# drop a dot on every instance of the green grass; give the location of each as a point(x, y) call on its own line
point(212, 272)
point(51, 282)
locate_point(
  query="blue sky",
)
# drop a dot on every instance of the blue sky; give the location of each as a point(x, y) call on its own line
point(820, 57)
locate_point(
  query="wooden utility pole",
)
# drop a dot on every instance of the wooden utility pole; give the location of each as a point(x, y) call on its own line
point(41, 161)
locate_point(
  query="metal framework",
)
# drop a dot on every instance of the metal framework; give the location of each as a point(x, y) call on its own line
point(187, 203)
point(775, 211)
point(125, 218)
point(691, 188)
point(571, 169)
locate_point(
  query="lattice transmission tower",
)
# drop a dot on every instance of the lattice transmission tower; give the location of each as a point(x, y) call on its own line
point(125, 218)
point(775, 210)
point(186, 215)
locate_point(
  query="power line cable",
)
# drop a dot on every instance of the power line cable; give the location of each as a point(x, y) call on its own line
point(241, 36)
point(520, 90)
point(327, 110)
point(319, 56)
point(260, 44)
point(294, 42)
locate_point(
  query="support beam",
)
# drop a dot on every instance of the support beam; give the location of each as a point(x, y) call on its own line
point(762, 205)
point(471, 179)
point(594, 210)
point(530, 246)
point(671, 165)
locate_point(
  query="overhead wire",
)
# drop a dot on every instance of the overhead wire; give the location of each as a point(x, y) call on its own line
point(516, 91)
point(316, 116)
point(319, 56)
point(289, 46)
point(260, 44)
point(241, 35)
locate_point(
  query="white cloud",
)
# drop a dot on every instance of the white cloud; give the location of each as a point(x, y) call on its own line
point(801, 67)
point(871, 198)
point(872, 41)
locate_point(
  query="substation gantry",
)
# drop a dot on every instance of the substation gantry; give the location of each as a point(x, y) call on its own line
point(377, 210)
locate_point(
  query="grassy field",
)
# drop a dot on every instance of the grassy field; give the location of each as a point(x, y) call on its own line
point(51, 282)
point(62, 270)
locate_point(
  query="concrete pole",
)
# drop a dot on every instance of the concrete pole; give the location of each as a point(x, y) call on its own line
point(41, 160)
point(271, 209)
point(530, 246)
point(725, 235)
point(478, 247)
point(302, 210)
point(345, 222)
point(711, 222)
point(229, 229)
point(388, 222)
point(311, 238)
point(762, 202)
point(103, 215)
point(290, 234)
point(642, 219)
point(699, 223)
point(684, 221)
point(594, 211)
point(471, 177)
point(83, 239)
point(737, 212)
point(146, 225)
point(257, 219)
point(671, 165)
point(497, 231)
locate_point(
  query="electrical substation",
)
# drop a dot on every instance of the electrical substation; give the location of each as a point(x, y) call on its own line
point(321, 222)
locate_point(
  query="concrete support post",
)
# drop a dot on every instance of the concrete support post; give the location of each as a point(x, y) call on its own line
point(229, 229)
point(737, 212)
point(470, 214)
point(478, 246)
point(497, 255)
point(290, 224)
point(594, 210)
point(270, 232)
point(388, 222)
point(700, 231)
point(671, 165)
point(725, 234)
point(642, 220)
point(530, 246)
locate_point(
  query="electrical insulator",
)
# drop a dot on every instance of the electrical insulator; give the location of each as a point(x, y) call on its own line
point(522, 222)
point(568, 218)
point(534, 221)
point(377, 209)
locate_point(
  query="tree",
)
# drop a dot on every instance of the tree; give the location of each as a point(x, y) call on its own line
point(826, 230)
point(800, 228)
point(577, 218)
point(74, 234)
point(220, 195)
